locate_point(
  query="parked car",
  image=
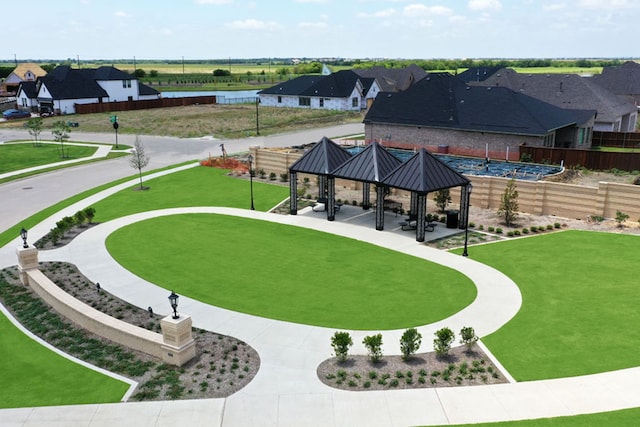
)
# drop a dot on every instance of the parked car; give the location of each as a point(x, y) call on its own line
point(16, 114)
point(46, 112)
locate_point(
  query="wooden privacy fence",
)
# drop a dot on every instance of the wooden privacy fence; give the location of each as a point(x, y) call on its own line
point(616, 139)
point(590, 159)
point(105, 107)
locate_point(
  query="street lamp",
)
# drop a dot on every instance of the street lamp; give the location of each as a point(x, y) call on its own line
point(250, 159)
point(173, 300)
point(23, 234)
point(466, 226)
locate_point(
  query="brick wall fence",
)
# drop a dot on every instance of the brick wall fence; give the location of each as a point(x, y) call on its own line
point(535, 197)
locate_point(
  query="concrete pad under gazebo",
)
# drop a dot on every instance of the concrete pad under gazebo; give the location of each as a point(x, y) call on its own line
point(421, 174)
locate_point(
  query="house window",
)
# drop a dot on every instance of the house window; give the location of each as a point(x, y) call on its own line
point(354, 102)
point(581, 136)
point(279, 100)
point(304, 101)
point(321, 102)
point(126, 83)
point(549, 140)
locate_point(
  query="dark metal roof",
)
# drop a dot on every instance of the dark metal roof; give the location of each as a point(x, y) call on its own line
point(322, 159)
point(370, 165)
point(292, 87)
point(424, 173)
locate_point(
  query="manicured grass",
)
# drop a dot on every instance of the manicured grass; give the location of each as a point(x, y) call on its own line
point(580, 304)
point(20, 156)
point(289, 273)
point(199, 186)
point(36, 376)
point(622, 418)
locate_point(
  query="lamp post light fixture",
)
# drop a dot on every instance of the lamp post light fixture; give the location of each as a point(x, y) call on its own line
point(173, 300)
point(250, 159)
point(23, 234)
point(466, 226)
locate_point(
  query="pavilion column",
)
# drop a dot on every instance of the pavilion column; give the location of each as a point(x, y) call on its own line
point(322, 186)
point(366, 196)
point(331, 198)
point(379, 207)
point(293, 193)
point(413, 203)
point(421, 211)
point(464, 207)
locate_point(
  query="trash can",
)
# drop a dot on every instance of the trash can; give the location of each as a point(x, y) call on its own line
point(443, 149)
point(452, 219)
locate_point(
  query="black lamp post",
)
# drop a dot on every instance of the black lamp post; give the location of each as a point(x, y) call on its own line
point(173, 300)
point(250, 159)
point(466, 226)
point(23, 234)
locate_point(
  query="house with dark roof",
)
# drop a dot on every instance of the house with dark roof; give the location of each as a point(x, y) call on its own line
point(623, 80)
point(65, 87)
point(343, 90)
point(26, 98)
point(478, 74)
point(444, 114)
point(615, 113)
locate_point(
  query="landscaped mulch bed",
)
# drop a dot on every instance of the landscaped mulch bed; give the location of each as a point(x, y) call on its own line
point(424, 370)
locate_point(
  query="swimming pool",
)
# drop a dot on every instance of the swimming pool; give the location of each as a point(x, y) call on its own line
point(482, 167)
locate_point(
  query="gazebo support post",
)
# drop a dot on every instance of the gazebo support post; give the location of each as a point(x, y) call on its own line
point(379, 207)
point(366, 196)
point(331, 198)
point(293, 193)
point(421, 211)
point(413, 203)
point(322, 186)
point(464, 207)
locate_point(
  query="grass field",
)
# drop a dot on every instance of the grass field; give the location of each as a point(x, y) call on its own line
point(20, 156)
point(580, 299)
point(290, 273)
point(40, 377)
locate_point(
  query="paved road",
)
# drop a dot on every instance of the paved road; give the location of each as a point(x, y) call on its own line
point(21, 199)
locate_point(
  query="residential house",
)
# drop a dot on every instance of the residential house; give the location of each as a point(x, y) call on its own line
point(392, 79)
point(343, 90)
point(623, 80)
point(65, 87)
point(478, 74)
point(25, 72)
point(27, 96)
point(615, 113)
point(442, 113)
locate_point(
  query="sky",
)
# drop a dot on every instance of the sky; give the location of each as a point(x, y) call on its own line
point(220, 29)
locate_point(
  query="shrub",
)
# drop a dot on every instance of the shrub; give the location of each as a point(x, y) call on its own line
point(272, 176)
point(472, 225)
point(340, 342)
point(443, 341)
point(525, 230)
point(549, 226)
point(556, 225)
point(516, 232)
point(481, 227)
point(510, 233)
point(373, 343)
point(284, 177)
point(468, 337)
point(410, 342)
point(621, 217)
point(79, 217)
point(262, 174)
point(533, 229)
point(491, 229)
point(498, 230)
point(89, 212)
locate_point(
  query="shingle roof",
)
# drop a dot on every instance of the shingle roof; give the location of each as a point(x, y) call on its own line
point(622, 79)
point(370, 165)
point(29, 89)
point(144, 89)
point(443, 101)
point(335, 85)
point(321, 159)
point(424, 173)
point(565, 91)
point(25, 67)
point(393, 79)
point(477, 74)
point(65, 82)
point(291, 87)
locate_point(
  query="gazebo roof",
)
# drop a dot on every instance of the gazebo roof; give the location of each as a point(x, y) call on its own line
point(370, 165)
point(424, 173)
point(322, 159)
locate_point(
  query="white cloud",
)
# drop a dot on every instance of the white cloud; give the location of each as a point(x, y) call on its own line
point(121, 14)
point(419, 9)
point(554, 7)
point(253, 24)
point(313, 25)
point(608, 4)
point(485, 5)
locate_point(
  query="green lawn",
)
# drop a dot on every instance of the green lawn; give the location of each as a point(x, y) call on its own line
point(36, 376)
point(21, 156)
point(199, 186)
point(289, 273)
point(580, 304)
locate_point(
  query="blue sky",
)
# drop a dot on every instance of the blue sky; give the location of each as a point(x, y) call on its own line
point(215, 29)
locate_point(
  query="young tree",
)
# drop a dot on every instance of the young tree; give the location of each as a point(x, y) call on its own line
point(139, 159)
point(442, 198)
point(373, 343)
point(341, 341)
point(509, 203)
point(443, 341)
point(410, 343)
point(34, 125)
point(468, 337)
point(60, 134)
point(621, 217)
point(89, 212)
point(80, 217)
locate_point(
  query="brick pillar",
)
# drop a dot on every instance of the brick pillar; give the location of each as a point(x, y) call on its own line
point(179, 346)
point(27, 260)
